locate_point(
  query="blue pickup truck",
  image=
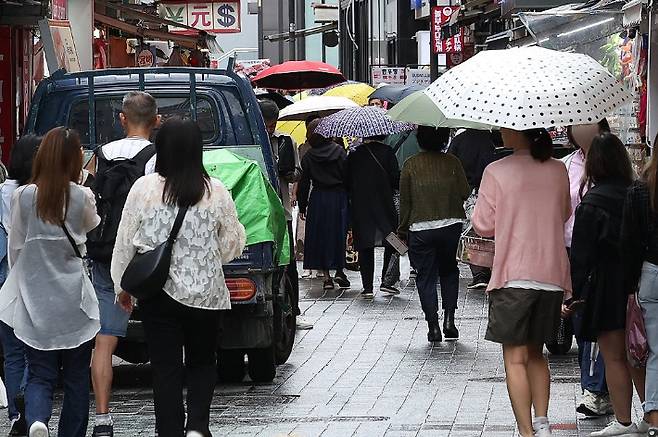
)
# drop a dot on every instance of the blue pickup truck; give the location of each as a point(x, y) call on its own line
point(261, 323)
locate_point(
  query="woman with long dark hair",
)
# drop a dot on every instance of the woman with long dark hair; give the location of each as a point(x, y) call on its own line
point(597, 271)
point(48, 298)
point(524, 203)
point(13, 350)
point(185, 315)
point(639, 236)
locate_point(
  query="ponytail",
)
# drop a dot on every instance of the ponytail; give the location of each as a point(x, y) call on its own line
point(541, 144)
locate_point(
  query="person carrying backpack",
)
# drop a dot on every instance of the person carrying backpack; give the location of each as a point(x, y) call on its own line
point(119, 164)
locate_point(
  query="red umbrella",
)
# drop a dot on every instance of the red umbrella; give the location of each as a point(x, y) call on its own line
point(299, 75)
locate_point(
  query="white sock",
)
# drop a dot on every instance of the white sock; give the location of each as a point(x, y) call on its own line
point(103, 419)
point(540, 422)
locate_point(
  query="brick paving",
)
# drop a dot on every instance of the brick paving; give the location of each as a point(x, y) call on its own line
point(366, 369)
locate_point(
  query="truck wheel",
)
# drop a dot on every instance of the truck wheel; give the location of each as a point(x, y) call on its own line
point(230, 366)
point(285, 327)
point(262, 364)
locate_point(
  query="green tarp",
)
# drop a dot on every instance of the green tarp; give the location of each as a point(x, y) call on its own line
point(259, 207)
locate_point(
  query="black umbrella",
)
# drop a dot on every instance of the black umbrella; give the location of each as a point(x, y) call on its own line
point(280, 100)
point(394, 93)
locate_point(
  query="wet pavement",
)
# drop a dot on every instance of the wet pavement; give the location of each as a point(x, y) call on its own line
point(366, 369)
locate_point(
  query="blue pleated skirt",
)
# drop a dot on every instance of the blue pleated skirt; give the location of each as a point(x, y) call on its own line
point(326, 230)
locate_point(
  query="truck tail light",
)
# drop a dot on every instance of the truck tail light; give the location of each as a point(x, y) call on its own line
point(241, 289)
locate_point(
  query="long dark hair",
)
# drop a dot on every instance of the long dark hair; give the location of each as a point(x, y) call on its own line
point(179, 148)
point(650, 176)
point(22, 158)
point(541, 143)
point(607, 159)
point(57, 163)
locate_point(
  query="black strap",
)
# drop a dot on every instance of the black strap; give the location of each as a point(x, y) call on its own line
point(145, 155)
point(177, 225)
point(376, 160)
point(72, 241)
point(402, 139)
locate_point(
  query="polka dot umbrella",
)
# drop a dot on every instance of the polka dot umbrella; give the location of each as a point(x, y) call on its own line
point(529, 87)
point(360, 122)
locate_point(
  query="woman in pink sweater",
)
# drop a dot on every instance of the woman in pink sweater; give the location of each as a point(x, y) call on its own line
point(524, 202)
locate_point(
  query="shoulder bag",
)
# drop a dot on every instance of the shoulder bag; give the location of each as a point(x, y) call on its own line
point(147, 272)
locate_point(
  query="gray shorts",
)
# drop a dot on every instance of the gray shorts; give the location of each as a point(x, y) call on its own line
point(518, 316)
point(114, 320)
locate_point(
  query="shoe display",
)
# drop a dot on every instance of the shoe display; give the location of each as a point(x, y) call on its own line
point(328, 284)
point(390, 289)
point(594, 405)
point(616, 429)
point(434, 332)
point(303, 324)
point(38, 429)
point(450, 331)
point(341, 280)
point(18, 427)
point(103, 431)
point(368, 294)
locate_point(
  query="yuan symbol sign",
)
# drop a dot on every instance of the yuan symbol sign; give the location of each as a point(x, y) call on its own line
point(210, 16)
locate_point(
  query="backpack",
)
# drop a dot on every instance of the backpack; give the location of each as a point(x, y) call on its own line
point(114, 179)
point(286, 155)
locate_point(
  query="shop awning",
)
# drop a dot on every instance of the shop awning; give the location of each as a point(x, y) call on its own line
point(574, 24)
point(200, 38)
point(633, 12)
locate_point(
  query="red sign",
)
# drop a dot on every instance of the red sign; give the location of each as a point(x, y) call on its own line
point(6, 94)
point(440, 17)
point(145, 58)
point(59, 9)
point(453, 59)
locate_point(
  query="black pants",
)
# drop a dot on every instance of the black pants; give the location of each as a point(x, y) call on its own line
point(291, 272)
point(433, 254)
point(479, 272)
point(171, 327)
point(367, 265)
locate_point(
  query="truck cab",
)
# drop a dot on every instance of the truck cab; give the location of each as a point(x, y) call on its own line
point(261, 323)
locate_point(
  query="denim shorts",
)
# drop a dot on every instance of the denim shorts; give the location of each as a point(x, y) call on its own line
point(114, 320)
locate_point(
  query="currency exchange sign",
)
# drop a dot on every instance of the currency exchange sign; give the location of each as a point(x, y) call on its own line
point(210, 16)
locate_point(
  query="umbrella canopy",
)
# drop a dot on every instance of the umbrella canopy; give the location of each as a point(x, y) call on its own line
point(316, 105)
point(280, 100)
point(394, 93)
point(361, 122)
point(419, 108)
point(357, 92)
point(299, 75)
point(296, 129)
point(529, 87)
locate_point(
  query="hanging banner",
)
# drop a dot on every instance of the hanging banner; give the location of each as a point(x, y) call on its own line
point(440, 17)
point(59, 9)
point(210, 16)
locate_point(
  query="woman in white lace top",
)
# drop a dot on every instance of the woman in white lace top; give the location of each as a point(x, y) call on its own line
point(184, 315)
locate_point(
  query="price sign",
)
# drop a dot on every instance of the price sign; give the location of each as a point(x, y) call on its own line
point(210, 16)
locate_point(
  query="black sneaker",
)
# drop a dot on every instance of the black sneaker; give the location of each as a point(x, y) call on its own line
point(328, 285)
point(18, 427)
point(367, 294)
point(478, 283)
point(390, 289)
point(341, 280)
point(103, 431)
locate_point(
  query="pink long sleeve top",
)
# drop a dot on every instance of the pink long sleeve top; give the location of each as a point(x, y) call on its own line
point(525, 203)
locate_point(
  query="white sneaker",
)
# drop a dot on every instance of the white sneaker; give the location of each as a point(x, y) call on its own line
point(643, 427)
point(542, 428)
point(38, 429)
point(617, 429)
point(193, 434)
point(303, 324)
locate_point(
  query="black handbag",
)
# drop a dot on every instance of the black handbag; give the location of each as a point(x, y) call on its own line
point(147, 272)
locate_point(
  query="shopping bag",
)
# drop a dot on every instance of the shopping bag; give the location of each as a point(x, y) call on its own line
point(637, 347)
point(3, 395)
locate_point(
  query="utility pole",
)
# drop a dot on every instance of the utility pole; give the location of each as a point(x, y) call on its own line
point(434, 59)
point(292, 18)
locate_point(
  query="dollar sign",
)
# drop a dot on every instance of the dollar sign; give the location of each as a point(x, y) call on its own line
point(227, 18)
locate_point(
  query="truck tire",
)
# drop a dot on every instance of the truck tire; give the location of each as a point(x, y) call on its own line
point(230, 366)
point(262, 364)
point(285, 327)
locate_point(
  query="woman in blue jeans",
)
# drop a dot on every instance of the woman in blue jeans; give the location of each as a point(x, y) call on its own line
point(20, 172)
point(640, 250)
point(48, 298)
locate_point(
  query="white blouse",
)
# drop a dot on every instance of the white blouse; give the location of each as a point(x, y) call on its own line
point(210, 236)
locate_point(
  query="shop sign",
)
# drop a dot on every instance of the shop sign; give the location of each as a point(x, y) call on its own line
point(213, 17)
point(251, 67)
point(388, 75)
point(453, 59)
point(146, 57)
point(418, 76)
point(59, 9)
point(6, 117)
point(440, 17)
point(454, 44)
point(59, 45)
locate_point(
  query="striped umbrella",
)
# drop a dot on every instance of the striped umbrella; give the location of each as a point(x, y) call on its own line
point(362, 122)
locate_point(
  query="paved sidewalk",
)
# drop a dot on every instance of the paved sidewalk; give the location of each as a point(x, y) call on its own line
point(366, 369)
